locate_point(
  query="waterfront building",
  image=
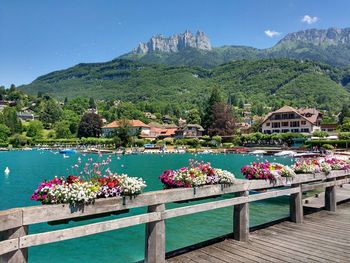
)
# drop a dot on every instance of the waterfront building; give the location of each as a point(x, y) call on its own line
point(136, 127)
point(289, 119)
point(189, 131)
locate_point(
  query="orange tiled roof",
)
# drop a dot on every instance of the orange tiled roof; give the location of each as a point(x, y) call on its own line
point(132, 123)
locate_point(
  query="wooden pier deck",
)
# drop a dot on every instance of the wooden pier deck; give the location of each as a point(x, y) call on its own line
point(323, 237)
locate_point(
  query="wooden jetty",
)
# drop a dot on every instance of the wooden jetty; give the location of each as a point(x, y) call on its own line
point(323, 237)
point(15, 239)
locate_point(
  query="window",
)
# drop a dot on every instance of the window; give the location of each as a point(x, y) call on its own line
point(284, 116)
point(267, 131)
point(267, 123)
point(276, 131)
point(294, 124)
point(285, 124)
point(303, 122)
point(276, 124)
point(285, 130)
point(295, 130)
point(277, 117)
point(305, 130)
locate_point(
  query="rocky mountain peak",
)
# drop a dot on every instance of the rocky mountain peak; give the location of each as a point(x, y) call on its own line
point(174, 43)
point(318, 37)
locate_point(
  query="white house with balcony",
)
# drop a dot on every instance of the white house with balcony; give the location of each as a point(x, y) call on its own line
point(289, 119)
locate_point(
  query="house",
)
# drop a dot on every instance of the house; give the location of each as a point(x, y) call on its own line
point(329, 128)
point(136, 127)
point(242, 127)
point(289, 119)
point(160, 131)
point(150, 116)
point(25, 115)
point(189, 131)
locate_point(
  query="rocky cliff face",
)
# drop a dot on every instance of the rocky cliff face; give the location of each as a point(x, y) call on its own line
point(174, 43)
point(319, 37)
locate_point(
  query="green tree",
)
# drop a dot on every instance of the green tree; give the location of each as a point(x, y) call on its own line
point(92, 104)
point(345, 113)
point(11, 120)
point(62, 130)
point(208, 117)
point(320, 134)
point(35, 129)
point(79, 105)
point(5, 132)
point(72, 118)
point(194, 116)
point(50, 112)
point(18, 140)
point(90, 125)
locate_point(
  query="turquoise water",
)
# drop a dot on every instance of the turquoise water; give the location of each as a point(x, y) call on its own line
point(28, 168)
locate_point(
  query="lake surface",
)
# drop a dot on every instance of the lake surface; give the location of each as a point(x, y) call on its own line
point(28, 168)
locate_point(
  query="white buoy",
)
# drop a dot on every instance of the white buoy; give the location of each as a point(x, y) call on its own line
point(65, 156)
point(7, 170)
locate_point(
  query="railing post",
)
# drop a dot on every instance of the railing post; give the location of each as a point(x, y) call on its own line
point(155, 238)
point(296, 205)
point(330, 198)
point(241, 219)
point(19, 255)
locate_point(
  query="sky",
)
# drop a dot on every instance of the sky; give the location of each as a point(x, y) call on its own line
point(41, 36)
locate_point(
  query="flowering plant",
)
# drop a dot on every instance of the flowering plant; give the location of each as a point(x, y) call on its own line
point(93, 182)
point(338, 164)
point(198, 173)
point(307, 166)
point(266, 171)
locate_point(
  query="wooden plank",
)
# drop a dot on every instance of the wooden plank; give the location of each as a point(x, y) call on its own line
point(312, 249)
point(80, 231)
point(282, 252)
point(10, 218)
point(224, 203)
point(296, 205)
point(155, 237)
point(233, 253)
point(241, 220)
point(221, 254)
point(309, 187)
point(8, 245)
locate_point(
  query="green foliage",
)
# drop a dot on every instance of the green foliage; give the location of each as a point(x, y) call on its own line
point(328, 146)
point(50, 112)
point(320, 134)
point(193, 117)
point(10, 119)
point(334, 143)
point(62, 130)
point(18, 140)
point(171, 90)
point(5, 132)
point(35, 129)
point(344, 135)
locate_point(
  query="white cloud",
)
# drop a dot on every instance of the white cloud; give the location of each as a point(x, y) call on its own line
point(309, 19)
point(271, 33)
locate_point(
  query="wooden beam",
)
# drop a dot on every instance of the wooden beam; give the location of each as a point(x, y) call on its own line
point(330, 197)
point(296, 205)
point(309, 187)
point(155, 237)
point(86, 230)
point(19, 255)
point(10, 218)
point(241, 219)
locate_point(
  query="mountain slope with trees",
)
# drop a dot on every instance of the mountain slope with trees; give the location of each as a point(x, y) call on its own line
point(268, 82)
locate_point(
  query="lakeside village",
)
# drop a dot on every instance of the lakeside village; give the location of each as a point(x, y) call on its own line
point(90, 126)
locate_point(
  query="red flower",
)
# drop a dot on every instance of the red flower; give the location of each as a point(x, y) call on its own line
point(71, 179)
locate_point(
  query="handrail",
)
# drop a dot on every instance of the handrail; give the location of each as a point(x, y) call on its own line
point(14, 222)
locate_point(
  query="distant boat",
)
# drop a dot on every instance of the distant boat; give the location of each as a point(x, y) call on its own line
point(285, 153)
point(7, 170)
point(67, 151)
point(258, 152)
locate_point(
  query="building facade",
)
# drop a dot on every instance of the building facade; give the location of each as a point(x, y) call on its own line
point(135, 128)
point(289, 119)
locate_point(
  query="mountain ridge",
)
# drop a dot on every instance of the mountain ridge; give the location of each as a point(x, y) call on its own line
point(330, 46)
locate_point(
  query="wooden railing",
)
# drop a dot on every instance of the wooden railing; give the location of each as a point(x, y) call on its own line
point(14, 223)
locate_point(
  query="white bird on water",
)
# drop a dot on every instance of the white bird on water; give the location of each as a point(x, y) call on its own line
point(7, 170)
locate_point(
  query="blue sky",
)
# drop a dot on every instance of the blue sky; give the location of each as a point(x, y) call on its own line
point(40, 36)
